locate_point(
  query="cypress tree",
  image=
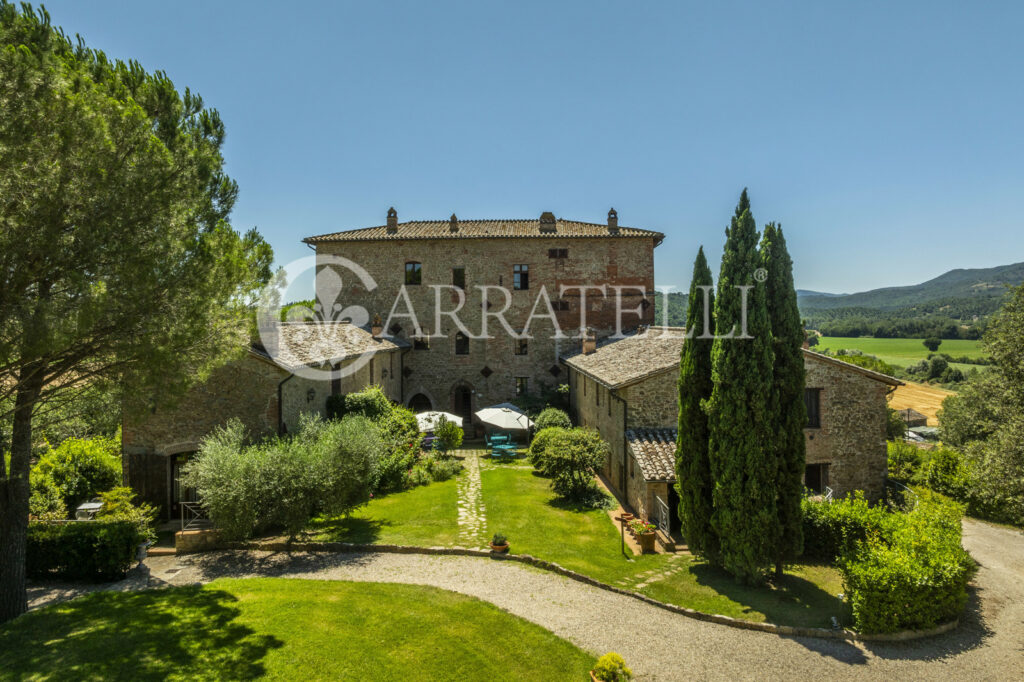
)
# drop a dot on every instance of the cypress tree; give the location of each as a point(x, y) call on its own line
point(693, 468)
point(743, 465)
point(788, 412)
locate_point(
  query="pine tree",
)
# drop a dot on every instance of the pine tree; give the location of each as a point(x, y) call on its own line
point(788, 412)
point(693, 468)
point(742, 462)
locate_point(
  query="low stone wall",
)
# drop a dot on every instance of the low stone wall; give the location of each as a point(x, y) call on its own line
point(191, 541)
point(782, 630)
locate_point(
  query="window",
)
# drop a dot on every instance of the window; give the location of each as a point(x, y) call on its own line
point(560, 305)
point(558, 253)
point(461, 344)
point(421, 342)
point(816, 477)
point(521, 346)
point(520, 276)
point(812, 399)
point(413, 273)
point(522, 386)
point(459, 278)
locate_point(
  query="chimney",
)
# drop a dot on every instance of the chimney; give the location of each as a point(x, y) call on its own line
point(377, 327)
point(589, 341)
point(453, 224)
point(547, 221)
point(613, 222)
point(392, 220)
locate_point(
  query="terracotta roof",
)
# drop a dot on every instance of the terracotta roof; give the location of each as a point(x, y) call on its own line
point(871, 374)
point(620, 362)
point(310, 344)
point(655, 452)
point(477, 229)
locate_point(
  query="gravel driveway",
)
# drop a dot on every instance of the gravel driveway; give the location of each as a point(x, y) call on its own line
point(660, 645)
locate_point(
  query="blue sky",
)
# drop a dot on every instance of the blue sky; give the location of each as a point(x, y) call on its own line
point(886, 137)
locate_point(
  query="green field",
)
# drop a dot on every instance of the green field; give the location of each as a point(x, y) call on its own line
point(902, 352)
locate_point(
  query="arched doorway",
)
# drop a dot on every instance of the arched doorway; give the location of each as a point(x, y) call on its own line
point(420, 403)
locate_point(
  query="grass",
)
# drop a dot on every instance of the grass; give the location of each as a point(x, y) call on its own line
point(520, 504)
point(282, 629)
point(904, 352)
point(424, 516)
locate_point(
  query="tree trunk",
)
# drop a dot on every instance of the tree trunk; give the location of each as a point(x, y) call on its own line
point(14, 494)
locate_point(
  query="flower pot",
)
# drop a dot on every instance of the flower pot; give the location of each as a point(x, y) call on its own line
point(646, 541)
point(500, 549)
point(627, 517)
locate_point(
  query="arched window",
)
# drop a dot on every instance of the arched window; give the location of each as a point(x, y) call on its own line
point(413, 273)
point(420, 403)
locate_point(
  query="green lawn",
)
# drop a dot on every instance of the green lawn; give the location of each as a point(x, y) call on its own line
point(283, 629)
point(424, 516)
point(903, 352)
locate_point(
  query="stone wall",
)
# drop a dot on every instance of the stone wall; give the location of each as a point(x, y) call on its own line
point(490, 369)
point(851, 439)
point(592, 405)
point(654, 401)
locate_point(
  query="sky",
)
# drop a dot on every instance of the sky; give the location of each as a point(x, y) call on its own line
point(886, 137)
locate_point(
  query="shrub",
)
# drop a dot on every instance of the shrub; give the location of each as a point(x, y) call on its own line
point(539, 448)
point(431, 468)
point(612, 668)
point(916, 576)
point(499, 539)
point(449, 435)
point(370, 402)
point(572, 457)
point(552, 416)
point(82, 468)
point(947, 472)
point(832, 529)
point(932, 343)
point(118, 505)
point(81, 550)
point(401, 437)
point(904, 459)
point(45, 501)
point(327, 467)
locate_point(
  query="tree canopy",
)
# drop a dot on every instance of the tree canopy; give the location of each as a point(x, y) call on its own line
point(117, 260)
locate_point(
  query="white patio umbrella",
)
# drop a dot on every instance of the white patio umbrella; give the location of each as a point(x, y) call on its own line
point(505, 416)
point(428, 421)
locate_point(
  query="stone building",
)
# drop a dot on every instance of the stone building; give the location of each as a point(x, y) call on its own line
point(627, 390)
point(438, 262)
point(268, 389)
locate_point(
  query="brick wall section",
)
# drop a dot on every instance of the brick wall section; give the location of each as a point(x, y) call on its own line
point(852, 434)
point(438, 372)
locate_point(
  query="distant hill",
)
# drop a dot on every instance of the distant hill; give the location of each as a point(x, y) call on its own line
point(982, 285)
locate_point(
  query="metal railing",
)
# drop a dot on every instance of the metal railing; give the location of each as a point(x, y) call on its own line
point(661, 515)
point(194, 517)
point(828, 494)
point(901, 497)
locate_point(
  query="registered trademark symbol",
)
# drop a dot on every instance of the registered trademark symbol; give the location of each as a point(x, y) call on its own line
point(760, 274)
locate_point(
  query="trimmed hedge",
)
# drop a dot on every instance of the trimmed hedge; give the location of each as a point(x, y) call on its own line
point(832, 529)
point(914, 579)
point(81, 550)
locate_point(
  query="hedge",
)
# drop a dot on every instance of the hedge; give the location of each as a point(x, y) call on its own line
point(81, 550)
point(914, 579)
point(832, 529)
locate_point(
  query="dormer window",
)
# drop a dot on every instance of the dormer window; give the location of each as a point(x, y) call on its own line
point(413, 273)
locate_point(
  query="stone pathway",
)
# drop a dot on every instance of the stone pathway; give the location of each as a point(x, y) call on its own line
point(472, 514)
point(675, 564)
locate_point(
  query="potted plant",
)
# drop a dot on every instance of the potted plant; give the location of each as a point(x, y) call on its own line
point(499, 543)
point(611, 668)
point(644, 533)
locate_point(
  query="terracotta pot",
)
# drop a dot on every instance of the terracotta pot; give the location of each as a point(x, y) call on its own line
point(646, 541)
point(627, 517)
point(501, 549)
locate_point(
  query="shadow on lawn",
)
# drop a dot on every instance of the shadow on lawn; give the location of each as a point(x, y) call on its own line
point(138, 635)
point(793, 600)
point(355, 529)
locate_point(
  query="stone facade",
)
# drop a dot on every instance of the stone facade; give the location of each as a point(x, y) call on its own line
point(268, 399)
point(846, 450)
point(851, 436)
point(492, 370)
